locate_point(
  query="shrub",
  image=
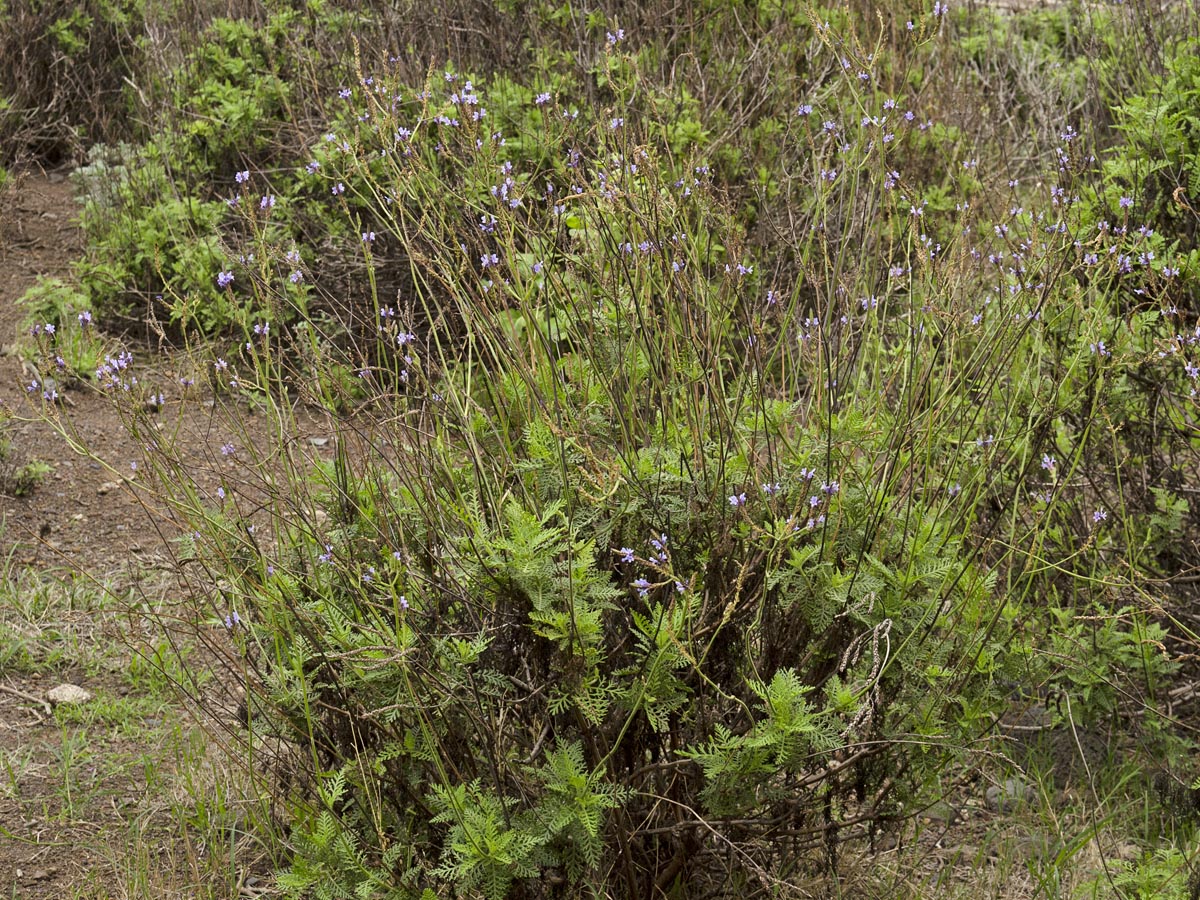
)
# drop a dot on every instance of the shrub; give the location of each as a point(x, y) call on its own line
point(64, 79)
point(660, 546)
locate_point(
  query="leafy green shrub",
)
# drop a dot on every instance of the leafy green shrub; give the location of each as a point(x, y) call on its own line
point(1158, 159)
point(146, 237)
point(156, 214)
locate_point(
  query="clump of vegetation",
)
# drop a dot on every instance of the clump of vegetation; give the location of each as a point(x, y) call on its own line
point(714, 463)
point(19, 479)
point(66, 72)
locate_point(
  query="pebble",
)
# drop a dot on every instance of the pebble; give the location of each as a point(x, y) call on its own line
point(68, 695)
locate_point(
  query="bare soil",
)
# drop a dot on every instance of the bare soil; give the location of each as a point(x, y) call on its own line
point(88, 804)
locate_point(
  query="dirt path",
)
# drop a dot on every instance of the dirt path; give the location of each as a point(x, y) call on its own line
point(120, 795)
point(74, 517)
point(47, 811)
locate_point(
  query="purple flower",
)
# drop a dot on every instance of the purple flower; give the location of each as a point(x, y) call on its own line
point(1126, 202)
point(1048, 462)
point(85, 318)
point(737, 500)
point(542, 99)
point(626, 554)
point(267, 202)
point(368, 237)
point(1099, 515)
point(339, 188)
point(642, 586)
point(227, 449)
point(242, 177)
point(224, 279)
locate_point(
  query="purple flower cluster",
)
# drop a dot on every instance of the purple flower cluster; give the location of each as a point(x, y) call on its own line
point(114, 372)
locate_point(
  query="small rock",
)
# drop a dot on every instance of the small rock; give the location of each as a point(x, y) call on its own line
point(1008, 796)
point(318, 441)
point(107, 486)
point(68, 695)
